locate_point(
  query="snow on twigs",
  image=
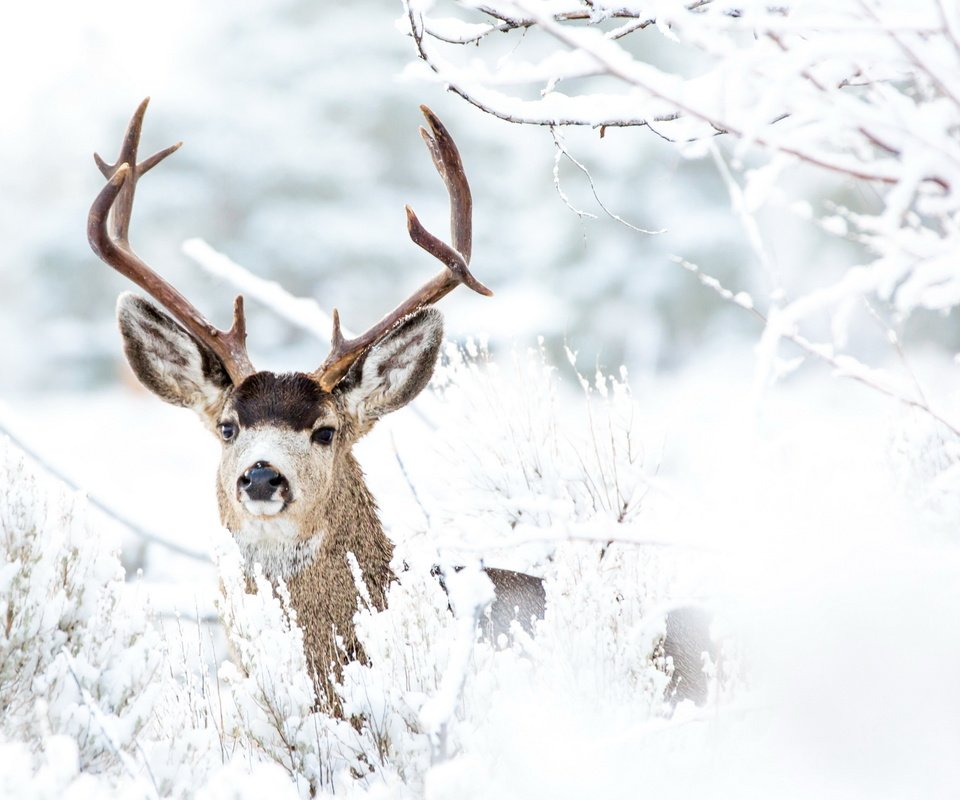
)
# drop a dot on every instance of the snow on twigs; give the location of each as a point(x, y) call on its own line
point(80, 664)
point(866, 93)
point(535, 467)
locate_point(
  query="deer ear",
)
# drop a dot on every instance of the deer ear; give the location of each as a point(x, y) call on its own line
point(169, 361)
point(395, 370)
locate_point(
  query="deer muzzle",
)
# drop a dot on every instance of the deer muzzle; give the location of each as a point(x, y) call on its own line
point(262, 489)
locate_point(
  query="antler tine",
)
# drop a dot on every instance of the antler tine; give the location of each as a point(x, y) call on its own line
point(446, 158)
point(107, 230)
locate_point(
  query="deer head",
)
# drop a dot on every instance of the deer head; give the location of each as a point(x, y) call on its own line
point(286, 439)
point(288, 486)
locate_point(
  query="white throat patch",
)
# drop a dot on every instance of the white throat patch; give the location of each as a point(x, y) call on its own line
point(274, 545)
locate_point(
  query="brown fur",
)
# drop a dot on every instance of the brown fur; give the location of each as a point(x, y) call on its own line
point(293, 401)
point(324, 592)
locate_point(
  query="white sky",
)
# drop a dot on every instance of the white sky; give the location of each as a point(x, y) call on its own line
point(112, 45)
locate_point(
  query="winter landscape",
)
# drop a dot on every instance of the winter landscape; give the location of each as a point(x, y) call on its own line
point(719, 371)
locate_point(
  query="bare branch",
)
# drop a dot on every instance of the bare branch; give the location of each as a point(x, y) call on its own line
point(562, 151)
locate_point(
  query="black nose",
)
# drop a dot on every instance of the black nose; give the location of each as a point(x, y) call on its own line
point(261, 482)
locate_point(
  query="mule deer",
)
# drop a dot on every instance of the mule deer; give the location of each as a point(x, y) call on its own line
point(288, 486)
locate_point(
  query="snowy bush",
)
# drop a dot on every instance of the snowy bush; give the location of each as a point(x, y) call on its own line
point(825, 594)
point(430, 681)
point(270, 710)
point(102, 701)
point(545, 480)
point(94, 701)
point(433, 694)
point(532, 463)
point(80, 659)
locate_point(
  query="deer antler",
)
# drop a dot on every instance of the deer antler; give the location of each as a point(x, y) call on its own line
point(107, 227)
point(446, 158)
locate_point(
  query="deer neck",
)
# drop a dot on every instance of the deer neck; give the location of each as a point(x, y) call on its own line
point(350, 524)
point(324, 593)
point(345, 522)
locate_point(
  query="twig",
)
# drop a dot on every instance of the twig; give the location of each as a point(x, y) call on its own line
point(894, 340)
point(581, 213)
point(552, 537)
point(749, 222)
point(505, 24)
point(436, 713)
point(417, 33)
point(303, 312)
point(563, 152)
point(406, 477)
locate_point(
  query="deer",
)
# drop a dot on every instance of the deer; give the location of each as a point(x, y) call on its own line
point(289, 488)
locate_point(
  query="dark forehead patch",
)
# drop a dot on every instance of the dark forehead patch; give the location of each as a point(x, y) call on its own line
point(293, 400)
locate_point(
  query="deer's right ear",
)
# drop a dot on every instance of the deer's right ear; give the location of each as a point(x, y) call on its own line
point(170, 362)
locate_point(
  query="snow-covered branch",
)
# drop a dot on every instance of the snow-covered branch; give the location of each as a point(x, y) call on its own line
point(780, 325)
point(865, 90)
point(300, 311)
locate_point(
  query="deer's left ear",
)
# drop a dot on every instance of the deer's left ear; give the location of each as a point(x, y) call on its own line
point(395, 370)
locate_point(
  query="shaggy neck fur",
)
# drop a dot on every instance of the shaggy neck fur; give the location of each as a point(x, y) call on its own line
point(277, 550)
point(317, 572)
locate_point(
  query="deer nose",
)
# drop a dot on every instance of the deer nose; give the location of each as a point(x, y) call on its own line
point(261, 482)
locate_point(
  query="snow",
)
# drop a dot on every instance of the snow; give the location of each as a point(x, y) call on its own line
point(840, 87)
point(801, 482)
point(303, 312)
point(828, 579)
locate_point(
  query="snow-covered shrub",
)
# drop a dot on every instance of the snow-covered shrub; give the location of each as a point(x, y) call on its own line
point(93, 702)
point(435, 696)
point(269, 713)
point(926, 459)
point(267, 709)
point(409, 646)
point(529, 463)
point(97, 699)
point(79, 656)
point(433, 692)
point(545, 485)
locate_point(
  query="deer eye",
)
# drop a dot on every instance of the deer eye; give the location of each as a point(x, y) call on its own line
point(227, 430)
point(323, 435)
